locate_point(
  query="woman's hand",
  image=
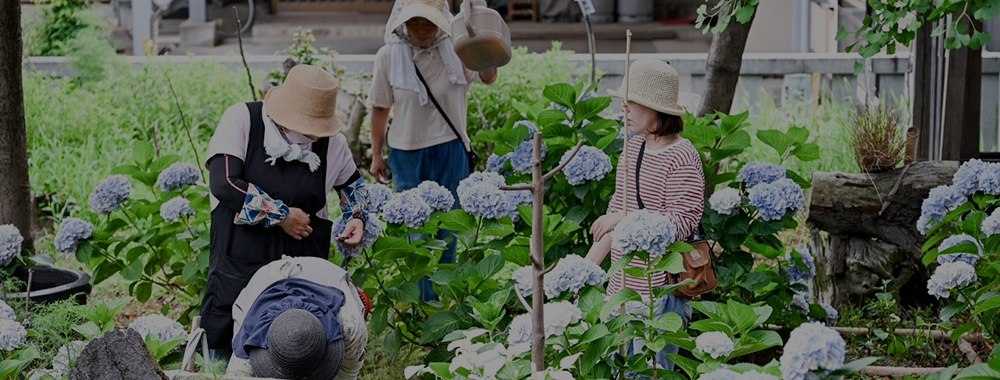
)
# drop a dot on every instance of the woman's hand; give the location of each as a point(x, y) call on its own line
point(378, 169)
point(605, 224)
point(296, 224)
point(352, 235)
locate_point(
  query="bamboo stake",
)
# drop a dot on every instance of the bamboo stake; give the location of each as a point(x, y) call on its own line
point(625, 81)
point(239, 36)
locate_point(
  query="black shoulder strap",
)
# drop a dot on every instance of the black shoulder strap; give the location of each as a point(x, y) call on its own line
point(638, 164)
point(438, 106)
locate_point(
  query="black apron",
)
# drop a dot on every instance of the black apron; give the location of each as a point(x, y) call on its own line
point(238, 251)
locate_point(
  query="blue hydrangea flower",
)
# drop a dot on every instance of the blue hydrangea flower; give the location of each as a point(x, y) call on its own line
point(590, 164)
point(532, 128)
point(797, 274)
point(714, 344)
point(518, 198)
point(939, 202)
point(373, 228)
point(436, 196)
point(67, 354)
point(812, 347)
point(958, 257)
point(495, 164)
point(954, 240)
point(570, 274)
point(158, 326)
point(178, 176)
point(991, 225)
point(966, 179)
point(10, 244)
point(725, 201)
point(12, 335)
point(485, 199)
point(800, 303)
point(174, 209)
point(774, 200)
point(522, 156)
point(110, 194)
point(755, 173)
point(720, 374)
point(754, 375)
point(832, 316)
point(646, 231)
point(407, 208)
point(6, 312)
point(378, 195)
point(989, 179)
point(71, 231)
point(950, 276)
point(493, 179)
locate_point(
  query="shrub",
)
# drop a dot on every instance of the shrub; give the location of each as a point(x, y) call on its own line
point(877, 135)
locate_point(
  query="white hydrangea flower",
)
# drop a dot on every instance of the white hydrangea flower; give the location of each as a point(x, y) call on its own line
point(949, 276)
point(725, 201)
point(6, 312)
point(158, 326)
point(715, 344)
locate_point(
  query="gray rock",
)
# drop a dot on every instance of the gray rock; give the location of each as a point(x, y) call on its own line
point(119, 354)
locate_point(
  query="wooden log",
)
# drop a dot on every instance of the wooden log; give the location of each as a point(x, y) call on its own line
point(863, 231)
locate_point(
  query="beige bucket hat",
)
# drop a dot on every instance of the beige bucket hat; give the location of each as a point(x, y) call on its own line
point(432, 10)
point(307, 102)
point(654, 84)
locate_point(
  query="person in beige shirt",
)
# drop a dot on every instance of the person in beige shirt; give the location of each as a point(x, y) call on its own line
point(424, 146)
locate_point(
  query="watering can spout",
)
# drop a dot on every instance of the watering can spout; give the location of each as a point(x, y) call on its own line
point(481, 37)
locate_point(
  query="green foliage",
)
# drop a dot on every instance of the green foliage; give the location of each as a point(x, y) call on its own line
point(741, 323)
point(891, 23)
point(137, 243)
point(61, 22)
point(723, 12)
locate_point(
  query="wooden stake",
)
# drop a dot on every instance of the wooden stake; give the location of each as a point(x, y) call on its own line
point(625, 81)
point(239, 36)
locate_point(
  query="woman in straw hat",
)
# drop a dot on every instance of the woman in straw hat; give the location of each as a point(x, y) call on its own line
point(668, 171)
point(419, 75)
point(271, 166)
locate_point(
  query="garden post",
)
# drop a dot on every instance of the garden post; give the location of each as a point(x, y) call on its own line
point(15, 203)
point(537, 258)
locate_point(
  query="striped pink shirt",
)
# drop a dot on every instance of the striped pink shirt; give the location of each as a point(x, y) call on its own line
point(672, 182)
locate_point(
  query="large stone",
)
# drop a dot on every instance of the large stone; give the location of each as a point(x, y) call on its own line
point(119, 354)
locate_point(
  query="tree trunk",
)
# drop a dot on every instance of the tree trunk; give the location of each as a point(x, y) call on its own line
point(859, 241)
point(962, 103)
point(722, 71)
point(15, 204)
point(537, 245)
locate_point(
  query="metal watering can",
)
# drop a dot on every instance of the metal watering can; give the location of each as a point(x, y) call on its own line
point(480, 36)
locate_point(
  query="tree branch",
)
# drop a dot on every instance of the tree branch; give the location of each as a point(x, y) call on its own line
point(518, 187)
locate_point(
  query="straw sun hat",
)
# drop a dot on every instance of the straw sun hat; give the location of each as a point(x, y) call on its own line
point(652, 83)
point(306, 102)
point(432, 10)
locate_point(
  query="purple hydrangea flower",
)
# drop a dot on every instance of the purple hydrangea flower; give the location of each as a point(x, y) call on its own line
point(522, 156)
point(755, 173)
point(796, 273)
point(178, 176)
point(378, 195)
point(774, 200)
point(495, 164)
point(532, 128)
point(71, 231)
point(110, 194)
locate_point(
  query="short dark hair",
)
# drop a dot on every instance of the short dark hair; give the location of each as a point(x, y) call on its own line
point(667, 124)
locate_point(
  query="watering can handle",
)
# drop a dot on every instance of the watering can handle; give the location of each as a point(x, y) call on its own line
point(467, 10)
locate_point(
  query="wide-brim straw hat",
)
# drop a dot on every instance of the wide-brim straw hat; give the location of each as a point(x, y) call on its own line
point(307, 102)
point(432, 10)
point(297, 349)
point(654, 84)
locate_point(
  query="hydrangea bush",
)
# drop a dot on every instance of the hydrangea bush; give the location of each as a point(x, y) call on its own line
point(961, 223)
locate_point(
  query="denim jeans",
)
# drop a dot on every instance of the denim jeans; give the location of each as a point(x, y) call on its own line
point(668, 304)
point(446, 164)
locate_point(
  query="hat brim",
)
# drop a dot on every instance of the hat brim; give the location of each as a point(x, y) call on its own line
point(675, 110)
point(264, 365)
point(280, 109)
point(412, 11)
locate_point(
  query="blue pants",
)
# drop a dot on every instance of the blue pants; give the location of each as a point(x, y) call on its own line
point(668, 304)
point(446, 164)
